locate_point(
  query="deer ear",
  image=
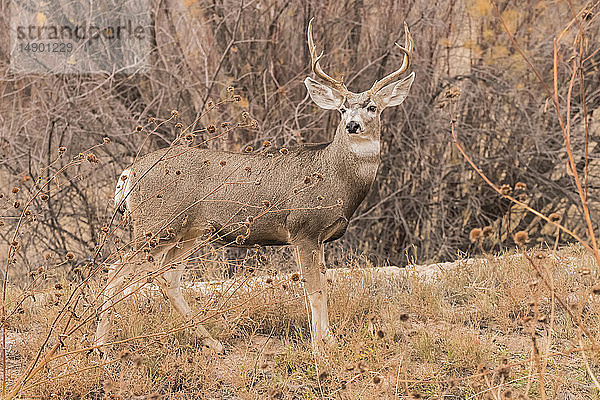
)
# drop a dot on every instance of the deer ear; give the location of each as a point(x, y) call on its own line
point(324, 96)
point(395, 93)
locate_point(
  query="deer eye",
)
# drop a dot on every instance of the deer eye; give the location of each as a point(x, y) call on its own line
point(342, 110)
point(372, 108)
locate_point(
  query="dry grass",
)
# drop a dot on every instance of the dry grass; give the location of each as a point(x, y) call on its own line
point(466, 333)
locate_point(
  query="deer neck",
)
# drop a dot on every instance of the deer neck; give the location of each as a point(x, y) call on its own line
point(358, 153)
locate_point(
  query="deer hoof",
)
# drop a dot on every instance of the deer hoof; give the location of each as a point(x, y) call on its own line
point(214, 345)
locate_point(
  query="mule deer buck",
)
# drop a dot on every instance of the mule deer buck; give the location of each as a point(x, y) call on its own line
point(304, 197)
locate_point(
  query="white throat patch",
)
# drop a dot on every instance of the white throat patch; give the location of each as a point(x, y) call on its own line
point(365, 147)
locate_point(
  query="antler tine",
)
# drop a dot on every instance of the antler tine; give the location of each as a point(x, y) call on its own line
point(316, 67)
point(407, 50)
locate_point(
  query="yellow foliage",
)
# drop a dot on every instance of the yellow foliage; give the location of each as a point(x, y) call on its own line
point(40, 19)
point(445, 42)
point(470, 44)
point(479, 8)
point(488, 35)
point(511, 17)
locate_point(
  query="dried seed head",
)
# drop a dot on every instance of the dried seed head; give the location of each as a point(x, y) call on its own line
point(139, 128)
point(248, 149)
point(307, 180)
point(137, 360)
point(27, 212)
point(91, 157)
point(70, 255)
point(475, 234)
point(452, 92)
point(283, 150)
point(17, 204)
point(403, 317)
point(266, 143)
point(269, 281)
point(124, 355)
point(520, 186)
point(521, 238)
point(210, 104)
point(240, 239)
point(380, 334)
point(106, 139)
point(323, 375)
point(211, 129)
point(505, 190)
point(296, 277)
point(487, 231)
point(44, 197)
point(554, 217)
point(150, 119)
point(245, 115)
point(224, 125)
point(40, 270)
point(175, 114)
point(148, 234)
point(237, 97)
point(377, 379)
point(222, 163)
point(178, 172)
point(62, 149)
point(230, 89)
point(150, 258)
point(58, 286)
point(15, 190)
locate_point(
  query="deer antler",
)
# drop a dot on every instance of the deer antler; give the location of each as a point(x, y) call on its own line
point(407, 50)
point(316, 67)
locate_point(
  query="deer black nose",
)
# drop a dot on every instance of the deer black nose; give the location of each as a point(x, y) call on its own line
point(352, 127)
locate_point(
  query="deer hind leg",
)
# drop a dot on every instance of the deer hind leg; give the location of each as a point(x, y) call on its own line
point(311, 261)
point(170, 283)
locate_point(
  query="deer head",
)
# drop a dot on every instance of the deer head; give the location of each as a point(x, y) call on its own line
point(360, 112)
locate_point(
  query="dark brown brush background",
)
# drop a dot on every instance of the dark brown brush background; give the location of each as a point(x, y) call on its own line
point(425, 199)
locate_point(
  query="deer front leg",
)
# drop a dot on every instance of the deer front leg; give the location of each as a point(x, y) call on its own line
point(170, 283)
point(114, 286)
point(311, 262)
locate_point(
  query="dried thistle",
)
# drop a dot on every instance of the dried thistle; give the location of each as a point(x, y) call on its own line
point(554, 217)
point(487, 231)
point(91, 157)
point(505, 190)
point(70, 255)
point(475, 234)
point(521, 238)
point(520, 186)
point(15, 190)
